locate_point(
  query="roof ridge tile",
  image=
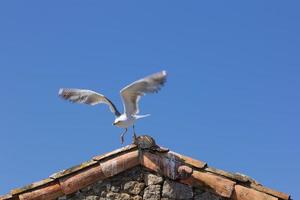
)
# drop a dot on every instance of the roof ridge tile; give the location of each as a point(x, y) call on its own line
point(170, 164)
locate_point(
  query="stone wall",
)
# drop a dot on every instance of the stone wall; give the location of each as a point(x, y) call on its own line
point(140, 184)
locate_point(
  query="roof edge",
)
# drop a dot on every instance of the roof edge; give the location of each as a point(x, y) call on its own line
point(170, 164)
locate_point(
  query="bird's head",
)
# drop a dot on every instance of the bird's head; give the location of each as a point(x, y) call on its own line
point(116, 122)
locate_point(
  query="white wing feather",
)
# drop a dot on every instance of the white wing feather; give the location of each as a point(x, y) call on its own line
point(132, 93)
point(87, 97)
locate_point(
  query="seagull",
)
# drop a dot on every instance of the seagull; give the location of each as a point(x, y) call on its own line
point(130, 95)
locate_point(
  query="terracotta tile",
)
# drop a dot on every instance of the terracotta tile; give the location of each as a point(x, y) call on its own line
point(219, 185)
point(230, 175)
point(119, 164)
point(243, 193)
point(251, 180)
point(173, 165)
point(46, 192)
point(31, 186)
point(187, 160)
point(260, 188)
point(116, 152)
point(73, 169)
point(166, 165)
point(81, 179)
point(6, 197)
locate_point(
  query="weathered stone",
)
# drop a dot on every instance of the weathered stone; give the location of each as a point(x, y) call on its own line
point(76, 196)
point(137, 197)
point(184, 171)
point(92, 197)
point(86, 189)
point(134, 187)
point(115, 188)
point(103, 194)
point(144, 142)
point(62, 198)
point(152, 179)
point(176, 190)
point(152, 192)
point(206, 196)
point(98, 187)
point(130, 185)
point(108, 186)
point(117, 196)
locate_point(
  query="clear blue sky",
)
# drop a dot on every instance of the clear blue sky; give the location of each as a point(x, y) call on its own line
point(232, 97)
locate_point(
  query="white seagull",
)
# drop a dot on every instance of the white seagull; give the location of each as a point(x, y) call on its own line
point(130, 94)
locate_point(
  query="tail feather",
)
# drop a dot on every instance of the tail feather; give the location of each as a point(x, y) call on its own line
point(142, 116)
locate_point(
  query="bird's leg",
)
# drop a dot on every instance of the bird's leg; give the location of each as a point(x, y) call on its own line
point(134, 135)
point(122, 136)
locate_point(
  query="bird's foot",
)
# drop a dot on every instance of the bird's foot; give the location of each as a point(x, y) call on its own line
point(134, 135)
point(122, 139)
point(122, 136)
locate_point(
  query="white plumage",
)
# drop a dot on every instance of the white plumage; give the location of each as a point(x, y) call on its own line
point(130, 94)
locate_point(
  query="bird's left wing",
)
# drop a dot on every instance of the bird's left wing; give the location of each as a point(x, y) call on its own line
point(87, 97)
point(132, 93)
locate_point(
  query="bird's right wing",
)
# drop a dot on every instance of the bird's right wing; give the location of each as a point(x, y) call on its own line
point(132, 93)
point(87, 97)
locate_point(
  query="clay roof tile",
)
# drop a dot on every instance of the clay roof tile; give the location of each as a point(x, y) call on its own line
point(170, 164)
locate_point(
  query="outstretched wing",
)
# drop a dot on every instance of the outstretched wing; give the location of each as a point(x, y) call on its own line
point(132, 93)
point(87, 97)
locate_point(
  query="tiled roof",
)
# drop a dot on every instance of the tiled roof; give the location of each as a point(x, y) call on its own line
point(169, 164)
